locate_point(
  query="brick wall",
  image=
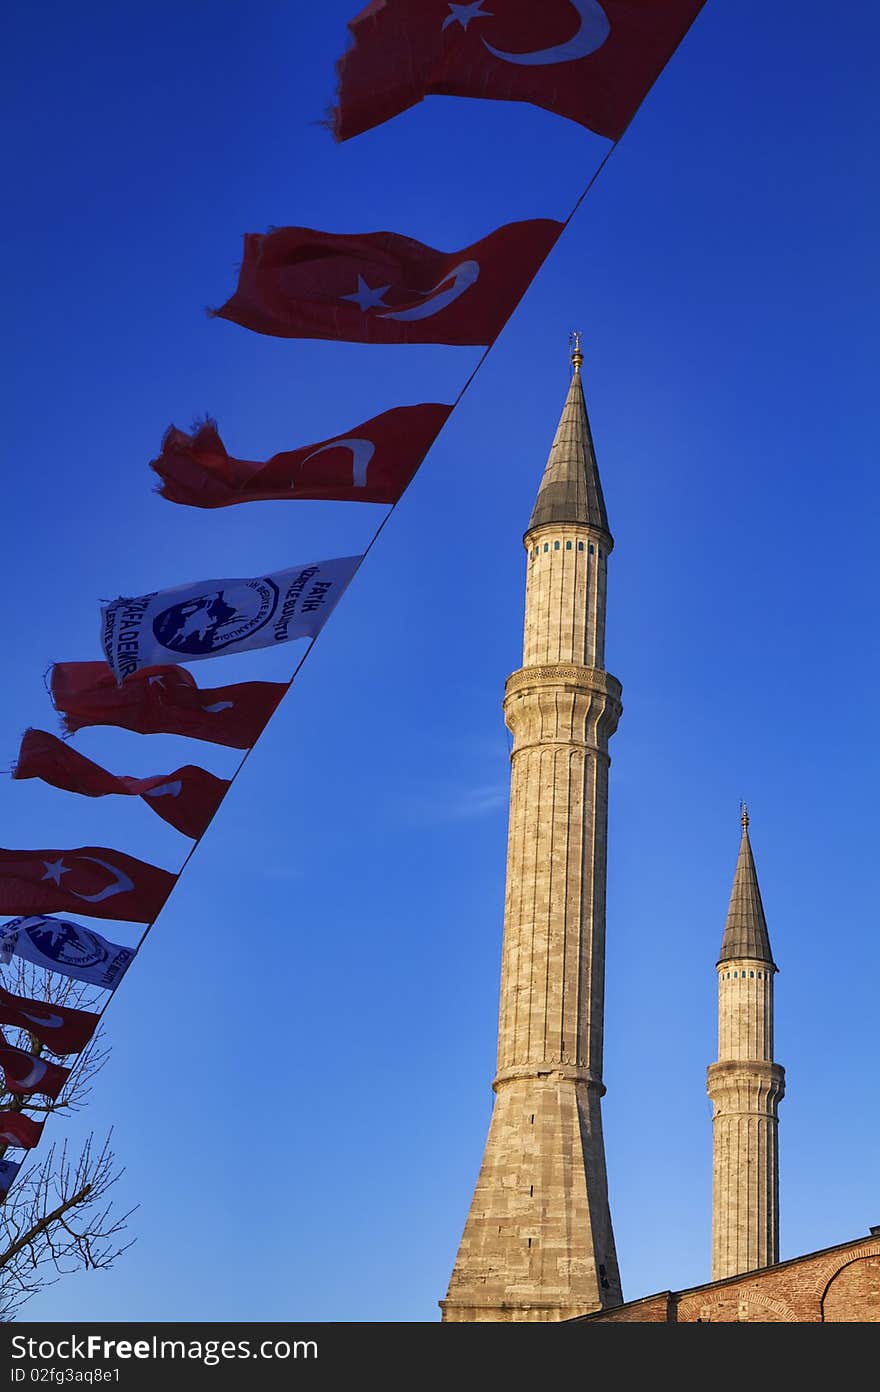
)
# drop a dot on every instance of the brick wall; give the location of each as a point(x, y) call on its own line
point(838, 1285)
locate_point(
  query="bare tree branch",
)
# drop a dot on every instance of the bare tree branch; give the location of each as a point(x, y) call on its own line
point(57, 1217)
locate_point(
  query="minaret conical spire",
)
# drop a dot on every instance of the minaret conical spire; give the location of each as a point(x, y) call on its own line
point(570, 490)
point(745, 933)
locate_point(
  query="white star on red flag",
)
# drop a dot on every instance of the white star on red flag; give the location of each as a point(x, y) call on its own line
point(54, 870)
point(366, 296)
point(463, 14)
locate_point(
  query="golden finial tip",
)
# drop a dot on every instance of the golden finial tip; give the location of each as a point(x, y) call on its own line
point(574, 344)
point(744, 815)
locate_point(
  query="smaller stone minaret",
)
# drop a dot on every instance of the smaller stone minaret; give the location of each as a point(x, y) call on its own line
point(745, 1086)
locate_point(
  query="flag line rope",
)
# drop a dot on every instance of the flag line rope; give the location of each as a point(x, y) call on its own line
point(312, 641)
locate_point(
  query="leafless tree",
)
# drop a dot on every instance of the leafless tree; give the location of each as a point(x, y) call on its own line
point(57, 1217)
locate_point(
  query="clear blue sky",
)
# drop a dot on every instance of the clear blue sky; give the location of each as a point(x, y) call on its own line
point(302, 1056)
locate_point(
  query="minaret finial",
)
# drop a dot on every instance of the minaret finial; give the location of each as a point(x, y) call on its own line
point(574, 344)
point(744, 815)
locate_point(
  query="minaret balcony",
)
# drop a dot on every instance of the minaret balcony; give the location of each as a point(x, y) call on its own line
point(561, 703)
point(745, 1085)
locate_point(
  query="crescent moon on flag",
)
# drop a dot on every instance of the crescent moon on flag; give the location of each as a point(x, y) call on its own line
point(33, 1075)
point(362, 452)
point(121, 883)
point(47, 1021)
point(463, 276)
point(171, 789)
point(594, 30)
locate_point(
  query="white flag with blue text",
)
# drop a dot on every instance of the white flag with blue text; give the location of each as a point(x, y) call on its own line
point(210, 617)
point(68, 948)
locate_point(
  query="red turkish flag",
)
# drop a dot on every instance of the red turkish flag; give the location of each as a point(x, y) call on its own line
point(19, 1130)
point(592, 62)
point(163, 701)
point(371, 463)
point(379, 287)
point(26, 1074)
point(187, 798)
point(91, 879)
point(61, 1028)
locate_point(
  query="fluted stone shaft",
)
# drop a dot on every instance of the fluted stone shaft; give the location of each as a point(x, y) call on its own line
point(745, 1166)
point(745, 1087)
point(553, 964)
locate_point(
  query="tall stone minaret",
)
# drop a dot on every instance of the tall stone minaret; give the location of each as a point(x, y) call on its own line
point(745, 1086)
point(538, 1243)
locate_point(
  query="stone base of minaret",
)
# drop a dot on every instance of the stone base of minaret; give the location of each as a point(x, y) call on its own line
point(537, 1245)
